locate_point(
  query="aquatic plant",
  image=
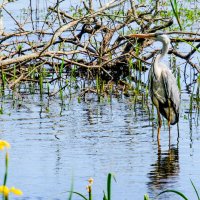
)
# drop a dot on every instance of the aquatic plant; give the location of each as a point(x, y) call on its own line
point(183, 196)
point(146, 197)
point(109, 189)
point(89, 190)
point(180, 193)
point(107, 194)
point(79, 47)
point(4, 190)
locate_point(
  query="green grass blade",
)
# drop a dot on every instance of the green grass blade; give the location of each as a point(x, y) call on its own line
point(176, 192)
point(104, 196)
point(195, 190)
point(176, 6)
point(71, 190)
point(109, 185)
point(109, 180)
point(6, 171)
point(61, 67)
point(146, 197)
point(90, 195)
point(175, 11)
point(81, 195)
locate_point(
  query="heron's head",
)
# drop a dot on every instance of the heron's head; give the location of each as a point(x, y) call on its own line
point(162, 38)
point(155, 36)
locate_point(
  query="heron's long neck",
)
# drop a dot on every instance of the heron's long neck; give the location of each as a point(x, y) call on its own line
point(156, 65)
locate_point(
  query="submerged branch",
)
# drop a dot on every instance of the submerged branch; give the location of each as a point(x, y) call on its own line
point(91, 42)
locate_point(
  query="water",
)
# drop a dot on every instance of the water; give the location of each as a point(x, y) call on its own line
point(91, 139)
point(55, 145)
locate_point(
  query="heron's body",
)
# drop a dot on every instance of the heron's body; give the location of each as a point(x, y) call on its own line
point(165, 93)
point(163, 88)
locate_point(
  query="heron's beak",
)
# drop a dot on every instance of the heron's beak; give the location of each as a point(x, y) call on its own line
point(148, 36)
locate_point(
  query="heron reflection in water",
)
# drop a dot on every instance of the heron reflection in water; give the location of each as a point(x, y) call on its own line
point(165, 170)
point(162, 84)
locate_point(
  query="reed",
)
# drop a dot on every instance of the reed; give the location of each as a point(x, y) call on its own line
point(41, 78)
point(3, 77)
point(61, 95)
point(175, 9)
point(109, 188)
point(1, 110)
point(61, 68)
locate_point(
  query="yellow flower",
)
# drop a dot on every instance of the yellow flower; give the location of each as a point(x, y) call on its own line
point(5, 191)
point(91, 181)
point(4, 144)
point(16, 191)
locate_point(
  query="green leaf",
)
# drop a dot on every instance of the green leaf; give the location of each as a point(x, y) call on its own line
point(146, 197)
point(81, 195)
point(176, 192)
point(175, 11)
point(109, 186)
point(109, 179)
point(6, 171)
point(71, 191)
point(195, 189)
point(104, 196)
point(175, 6)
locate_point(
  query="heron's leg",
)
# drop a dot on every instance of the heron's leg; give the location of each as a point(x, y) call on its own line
point(159, 124)
point(169, 133)
point(169, 119)
point(178, 129)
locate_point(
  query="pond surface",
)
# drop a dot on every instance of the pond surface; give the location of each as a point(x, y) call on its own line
point(91, 139)
point(55, 145)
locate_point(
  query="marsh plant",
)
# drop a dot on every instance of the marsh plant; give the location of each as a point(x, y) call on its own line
point(107, 193)
point(80, 42)
point(4, 189)
point(176, 192)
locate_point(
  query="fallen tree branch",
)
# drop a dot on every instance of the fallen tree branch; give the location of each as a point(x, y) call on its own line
point(89, 41)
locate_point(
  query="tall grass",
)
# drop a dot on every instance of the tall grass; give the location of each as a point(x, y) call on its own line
point(109, 189)
point(176, 11)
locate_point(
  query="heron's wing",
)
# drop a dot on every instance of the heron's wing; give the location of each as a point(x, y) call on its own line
point(171, 88)
point(156, 87)
point(150, 77)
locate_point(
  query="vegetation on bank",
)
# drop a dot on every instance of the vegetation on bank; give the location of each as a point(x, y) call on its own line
point(82, 47)
point(73, 51)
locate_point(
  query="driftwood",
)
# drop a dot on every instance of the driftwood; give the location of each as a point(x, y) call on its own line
point(92, 41)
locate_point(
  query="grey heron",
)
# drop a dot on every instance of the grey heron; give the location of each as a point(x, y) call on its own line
point(162, 84)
